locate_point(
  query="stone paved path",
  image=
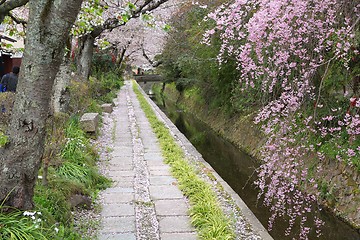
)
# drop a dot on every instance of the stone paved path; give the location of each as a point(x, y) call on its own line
point(144, 201)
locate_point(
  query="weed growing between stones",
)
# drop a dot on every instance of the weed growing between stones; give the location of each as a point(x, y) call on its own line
point(206, 214)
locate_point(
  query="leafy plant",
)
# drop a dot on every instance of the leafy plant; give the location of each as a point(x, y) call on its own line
point(19, 225)
point(3, 139)
point(53, 203)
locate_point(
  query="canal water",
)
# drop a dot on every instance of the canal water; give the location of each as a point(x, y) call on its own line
point(238, 170)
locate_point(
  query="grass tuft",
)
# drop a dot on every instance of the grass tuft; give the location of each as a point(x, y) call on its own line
point(17, 227)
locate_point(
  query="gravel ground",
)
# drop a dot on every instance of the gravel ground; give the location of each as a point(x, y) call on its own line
point(88, 221)
point(147, 226)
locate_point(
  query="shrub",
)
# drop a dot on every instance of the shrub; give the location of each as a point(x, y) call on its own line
point(104, 86)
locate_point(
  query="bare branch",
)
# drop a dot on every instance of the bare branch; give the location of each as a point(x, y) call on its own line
point(7, 6)
point(17, 20)
point(146, 56)
point(153, 64)
point(113, 23)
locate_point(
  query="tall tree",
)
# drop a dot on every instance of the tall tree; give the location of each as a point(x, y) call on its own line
point(116, 19)
point(48, 28)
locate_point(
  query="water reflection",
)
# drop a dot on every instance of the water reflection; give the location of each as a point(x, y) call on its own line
point(238, 170)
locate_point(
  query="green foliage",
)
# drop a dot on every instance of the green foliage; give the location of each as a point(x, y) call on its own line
point(327, 192)
point(83, 174)
point(52, 202)
point(105, 62)
point(76, 172)
point(88, 96)
point(167, 28)
point(70, 160)
point(184, 83)
point(73, 172)
point(79, 96)
point(332, 146)
point(191, 64)
point(12, 28)
point(77, 147)
point(146, 17)
point(90, 15)
point(3, 139)
point(80, 159)
point(105, 85)
point(205, 211)
point(94, 106)
point(15, 226)
point(131, 6)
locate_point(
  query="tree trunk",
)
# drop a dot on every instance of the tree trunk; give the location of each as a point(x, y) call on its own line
point(49, 24)
point(121, 56)
point(61, 94)
point(85, 55)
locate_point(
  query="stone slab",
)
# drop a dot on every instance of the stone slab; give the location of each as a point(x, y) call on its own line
point(117, 210)
point(153, 156)
point(159, 172)
point(121, 149)
point(123, 143)
point(122, 159)
point(178, 236)
point(175, 224)
point(122, 139)
point(151, 144)
point(121, 167)
point(111, 198)
point(125, 173)
point(120, 178)
point(118, 224)
point(118, 236)
point(122, 153)
point(149, 138)
point(165, 192)
point(119, 190)
point(123, 184)
point(152, 149)
point(171, 208)
point(123, 135)
point(155, 168)
point(155, 163)
point(162, 180)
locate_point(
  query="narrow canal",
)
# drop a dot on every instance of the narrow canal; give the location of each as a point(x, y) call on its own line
point(238, 170)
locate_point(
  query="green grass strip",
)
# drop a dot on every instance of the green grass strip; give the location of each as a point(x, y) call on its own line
point(205, 211)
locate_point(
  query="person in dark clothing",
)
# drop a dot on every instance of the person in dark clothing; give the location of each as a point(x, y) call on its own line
point(9, 81)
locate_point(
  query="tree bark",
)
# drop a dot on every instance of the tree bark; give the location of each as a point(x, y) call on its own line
point(60, 98)
point(48, 28)
point(121, 56)
point(85, 55)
